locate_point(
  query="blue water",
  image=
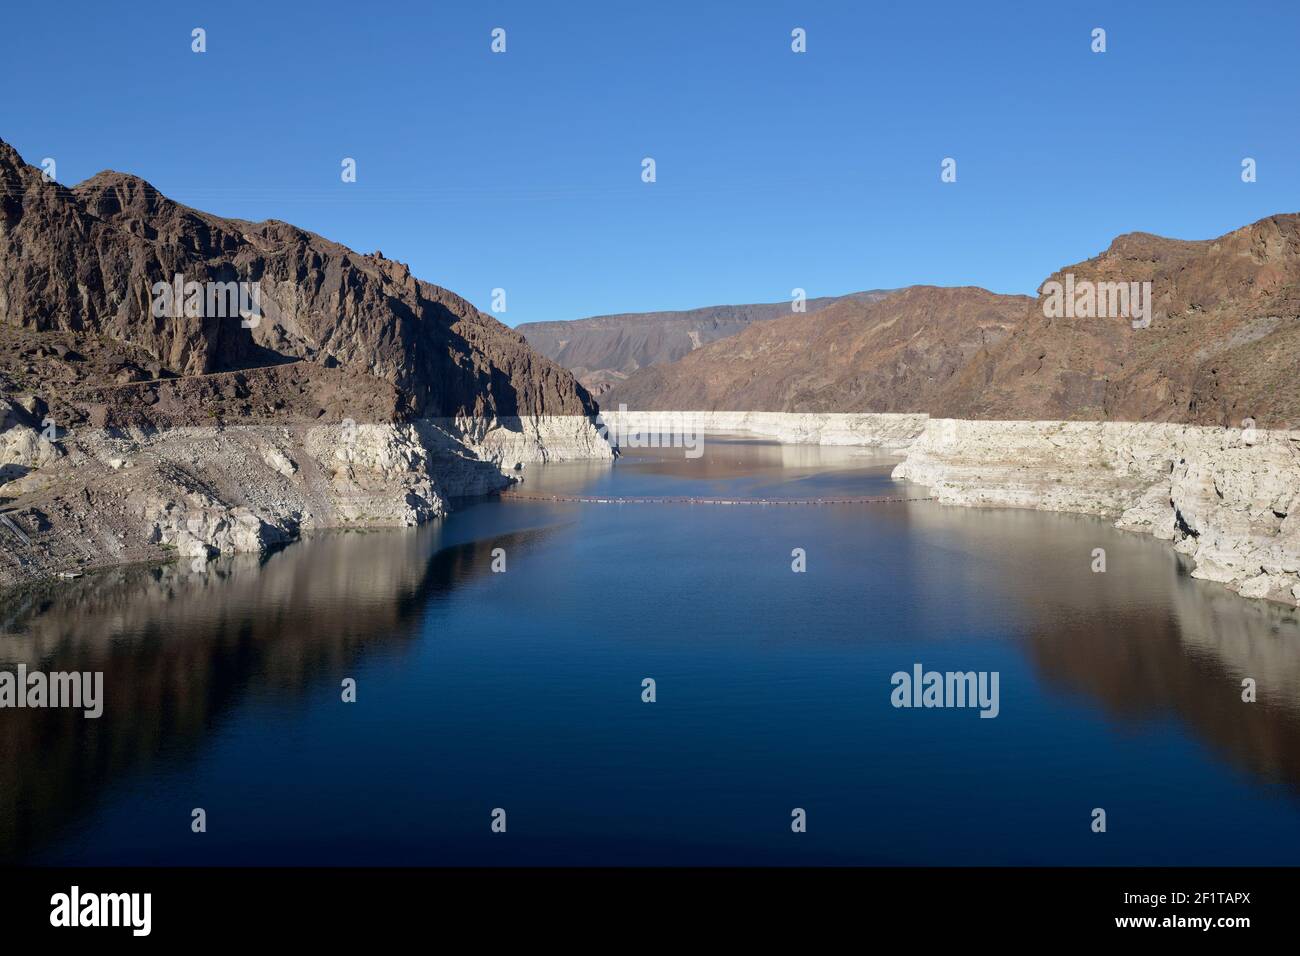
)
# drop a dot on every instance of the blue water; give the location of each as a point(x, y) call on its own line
point(522, 690)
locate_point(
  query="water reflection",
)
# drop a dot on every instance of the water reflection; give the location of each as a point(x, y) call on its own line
point(181, 651)
point(178, 649)
point(1144, 641)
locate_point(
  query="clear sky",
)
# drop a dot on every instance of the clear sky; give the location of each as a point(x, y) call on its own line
point(775, 170)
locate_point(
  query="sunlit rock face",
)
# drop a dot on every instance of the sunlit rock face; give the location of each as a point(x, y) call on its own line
point(360, 396)
point(1225, 497)
point(1217, 344)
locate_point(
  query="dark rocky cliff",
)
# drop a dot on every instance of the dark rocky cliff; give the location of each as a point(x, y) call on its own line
point(84, 260)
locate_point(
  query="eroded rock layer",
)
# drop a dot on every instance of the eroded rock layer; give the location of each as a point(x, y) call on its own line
point(354, 395)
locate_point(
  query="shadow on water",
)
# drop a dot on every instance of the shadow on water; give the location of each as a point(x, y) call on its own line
point(179, 649)
point(1142, 642)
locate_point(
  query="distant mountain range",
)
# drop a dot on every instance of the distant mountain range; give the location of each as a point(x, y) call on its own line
point(1223, 345)
point(605, 349)
point(887, 355)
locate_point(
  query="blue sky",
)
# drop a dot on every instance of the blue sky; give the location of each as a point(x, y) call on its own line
point(775, 170)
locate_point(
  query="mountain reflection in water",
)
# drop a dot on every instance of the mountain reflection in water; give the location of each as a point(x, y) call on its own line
point(522, 689)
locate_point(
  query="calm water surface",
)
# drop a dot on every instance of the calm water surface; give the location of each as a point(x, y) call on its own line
point(522, 690)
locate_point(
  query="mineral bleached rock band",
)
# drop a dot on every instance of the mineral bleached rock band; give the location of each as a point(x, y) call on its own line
point(683, 430)
point(82, 690)
point(948, 689)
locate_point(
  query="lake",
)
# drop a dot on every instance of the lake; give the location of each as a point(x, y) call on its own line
point(522, 690)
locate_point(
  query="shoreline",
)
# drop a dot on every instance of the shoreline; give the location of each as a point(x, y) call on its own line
point(102, 498)
point(1227, 498)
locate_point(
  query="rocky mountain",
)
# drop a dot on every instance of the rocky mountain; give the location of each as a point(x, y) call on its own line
point(605, 349)
point(143, 418)
point(1222, 345)
point(893, 354)
point(85, 261)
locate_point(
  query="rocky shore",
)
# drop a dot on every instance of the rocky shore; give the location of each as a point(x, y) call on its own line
point(1228, 498)
point(94, 498)
point(176, 383)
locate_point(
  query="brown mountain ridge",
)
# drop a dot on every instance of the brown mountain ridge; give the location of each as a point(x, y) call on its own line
point(81, 262)
point(605, 349)
point(895, 354)
point(1223, 345)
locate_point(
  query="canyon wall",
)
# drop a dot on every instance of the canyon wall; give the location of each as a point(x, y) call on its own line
point(1228, 498)
point(94, 498)
point(515, 441)
point(137, 429)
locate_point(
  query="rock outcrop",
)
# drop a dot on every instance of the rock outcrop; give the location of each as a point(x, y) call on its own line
point(1223, 344)
point(87, 259)
point(1228, 498)
point(359, 397)
point(22, 446)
